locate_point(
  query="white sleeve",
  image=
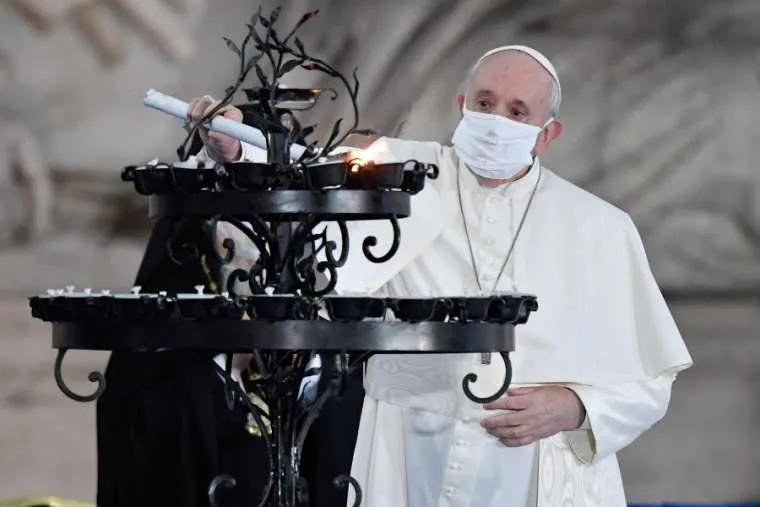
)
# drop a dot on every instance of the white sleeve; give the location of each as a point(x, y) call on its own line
point(203, 156)
point(251, 153)
point(248, 153)
point(617, 415)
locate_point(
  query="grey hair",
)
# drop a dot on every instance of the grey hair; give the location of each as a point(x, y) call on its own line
point(555, 100)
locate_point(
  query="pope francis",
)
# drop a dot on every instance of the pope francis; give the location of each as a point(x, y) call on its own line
point(593, 367)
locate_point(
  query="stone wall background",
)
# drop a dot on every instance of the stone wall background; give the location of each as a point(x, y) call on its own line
point(660, 106)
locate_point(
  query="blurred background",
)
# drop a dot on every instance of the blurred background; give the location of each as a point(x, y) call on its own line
point(660, 108)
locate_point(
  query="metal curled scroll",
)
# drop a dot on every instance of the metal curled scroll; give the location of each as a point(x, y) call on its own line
point(258, 233)
point(295, 254)
point(331, 246)
point(227, 481)
point(331, 273)
point(471, 378)
point(343, 481)
point(94, 376)
point(241, 395)
point(228, 244)
point(371, 241)
point(265, 243)
point(238, 275)
point(329, 267)
point(183, 253)
point(301, 263)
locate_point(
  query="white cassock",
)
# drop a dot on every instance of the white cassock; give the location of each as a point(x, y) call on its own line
point(602, 329)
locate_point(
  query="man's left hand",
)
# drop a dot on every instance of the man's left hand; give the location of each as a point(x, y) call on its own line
point(539, 412)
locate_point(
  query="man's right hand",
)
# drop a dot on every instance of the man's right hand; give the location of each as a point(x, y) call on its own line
point(220, 147)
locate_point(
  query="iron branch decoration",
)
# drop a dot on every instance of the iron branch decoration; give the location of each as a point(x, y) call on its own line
point(276, 208)
point(283, 55)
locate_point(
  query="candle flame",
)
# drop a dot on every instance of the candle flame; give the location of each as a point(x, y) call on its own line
point(361, 158)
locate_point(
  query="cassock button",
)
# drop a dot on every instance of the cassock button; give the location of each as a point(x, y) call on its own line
point(489, 241)
point(491, 220)
point(488, 277)
point(448, 491)
point(461, 443)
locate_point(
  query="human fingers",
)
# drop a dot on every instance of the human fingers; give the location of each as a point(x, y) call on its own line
point(506, 420)
point(198, 107)
point(508, 402)
point(191, 107)
point(521, 391)
point(517, 442)
point(223, 142)
point(513, 432)
point(231, 113)
point(226, 147)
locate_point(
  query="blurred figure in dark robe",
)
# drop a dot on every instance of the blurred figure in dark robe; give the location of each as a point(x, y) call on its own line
point(164, 430)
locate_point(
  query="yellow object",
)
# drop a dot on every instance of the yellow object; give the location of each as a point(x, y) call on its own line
point(251, 425)
point(43, 501)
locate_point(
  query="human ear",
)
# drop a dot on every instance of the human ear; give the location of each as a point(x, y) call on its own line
point(547, 136)
point(460, 103)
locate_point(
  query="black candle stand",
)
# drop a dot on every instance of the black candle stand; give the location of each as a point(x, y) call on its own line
point(292, 312)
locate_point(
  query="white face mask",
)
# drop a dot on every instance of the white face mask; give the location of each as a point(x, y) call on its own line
point(494, 146)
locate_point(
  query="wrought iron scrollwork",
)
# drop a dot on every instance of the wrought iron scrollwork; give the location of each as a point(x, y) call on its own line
point(471, 378)
point(343, 481)
point(371, 241)
point(227, 244)
point(94, 376)
point(331, 246)
point(300, 262)
point(178, 248)
point(329, 267)
point(299, 258)
point(260, 236)
point(226, 481)
point(239, 394)
point(290, 425)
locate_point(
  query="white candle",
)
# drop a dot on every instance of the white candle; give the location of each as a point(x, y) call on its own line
point(240, 131)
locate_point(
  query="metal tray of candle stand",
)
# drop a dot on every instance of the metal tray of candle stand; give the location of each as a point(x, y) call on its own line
point(336, 189)
point(205, 322)
point(282, 322)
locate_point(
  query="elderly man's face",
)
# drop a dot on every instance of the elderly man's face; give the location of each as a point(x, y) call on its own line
point(514, 85)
